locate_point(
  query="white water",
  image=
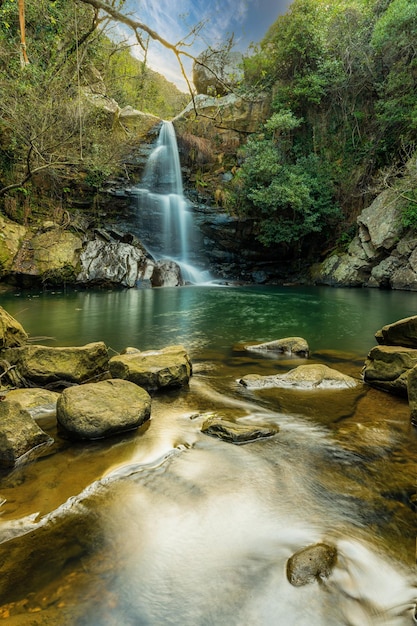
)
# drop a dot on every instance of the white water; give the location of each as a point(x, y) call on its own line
point(165, 222)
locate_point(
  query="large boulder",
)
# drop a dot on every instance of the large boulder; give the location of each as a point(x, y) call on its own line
point(400, 333)
point(11, 237)
point(103, 409)
point(60, 366)
point(112, 262)
point(12, 333)
point(315, 376)
point(288, 345)
point(153, 369)
point(310, 564)
point(217, 72)
point(387, 368)
point(21, 439)
point(166, 273)
point(51, 252)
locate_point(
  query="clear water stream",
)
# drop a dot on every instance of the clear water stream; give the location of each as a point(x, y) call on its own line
point(170, 526)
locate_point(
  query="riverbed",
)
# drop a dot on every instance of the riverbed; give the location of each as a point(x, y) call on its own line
point(170, 526)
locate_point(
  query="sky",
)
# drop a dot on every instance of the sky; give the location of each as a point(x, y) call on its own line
point(249, 20)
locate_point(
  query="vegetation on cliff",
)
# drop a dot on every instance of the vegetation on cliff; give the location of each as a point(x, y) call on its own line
point(344, 74)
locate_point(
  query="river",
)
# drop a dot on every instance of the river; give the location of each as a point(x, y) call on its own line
point(171, 526)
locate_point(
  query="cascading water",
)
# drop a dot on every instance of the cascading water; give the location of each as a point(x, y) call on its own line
point(165, 223)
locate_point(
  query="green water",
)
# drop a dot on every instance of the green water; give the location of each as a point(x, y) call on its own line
point(213, 318)
point(169, 526)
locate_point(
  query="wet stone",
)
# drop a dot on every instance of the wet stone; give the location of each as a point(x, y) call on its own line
point(238, 432)
point(313, 563)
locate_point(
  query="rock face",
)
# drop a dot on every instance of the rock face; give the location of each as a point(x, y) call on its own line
point(153, 369)
point(310, 564)
point(20, 437)
point(44, 365)
point(227, 113)
point(216, 72)
point(12, 333)
point(238, 432)
point(315, 376)
point(98, 410)
point(382, 254)
point(288, 345)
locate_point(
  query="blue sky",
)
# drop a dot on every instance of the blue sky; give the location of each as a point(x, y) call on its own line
point(173, 19)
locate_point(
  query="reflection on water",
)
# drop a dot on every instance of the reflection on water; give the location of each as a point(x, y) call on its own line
point(170, 526)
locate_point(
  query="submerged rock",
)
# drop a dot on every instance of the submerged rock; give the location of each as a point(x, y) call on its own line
point(315, 376)
point(98, 410)
point(45, 365)
point(154, 369)
point(237, 432)
point(313, 563)
point(12, 333)
point(387, 368)
point(288, 345)
point(20, 437)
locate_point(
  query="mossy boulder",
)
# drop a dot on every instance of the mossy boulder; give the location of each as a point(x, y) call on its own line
point(154, 369)
point(12, 333)
point(314, 376)
point(103, 409)
point(310, 564)
point(400, 333)
point(20, 437)
point(45, 365)
point(11, 236)
point(238, 432)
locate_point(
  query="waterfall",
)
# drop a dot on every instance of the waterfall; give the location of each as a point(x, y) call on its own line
point(165, 222)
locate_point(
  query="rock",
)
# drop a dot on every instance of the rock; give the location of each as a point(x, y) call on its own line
point(112, 263)
point(21, 439)
point(136, 121)
point(12, 333)
point(103, 409)
point(288, 345)
point(166, 273)
point(154, 369)
point(412, 393)
point(315, 376)
point(341, 270)
point(387, 368)
point(11, 237)
point(400, 333)
point(48, 255)
point(216, 72)
point(226, 114)
point(380, 226)
point(45, 365)
point(238, 432)
point(312, 563)
point(38, 402)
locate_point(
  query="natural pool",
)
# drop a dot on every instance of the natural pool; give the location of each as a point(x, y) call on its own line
point(170, 526)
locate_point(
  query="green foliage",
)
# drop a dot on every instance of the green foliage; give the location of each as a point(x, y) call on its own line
point(290, 197)
point(409, 211)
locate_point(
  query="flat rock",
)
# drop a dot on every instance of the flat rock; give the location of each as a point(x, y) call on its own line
point(153, 369)
point(314, 376)
point(287, 345)
point(310, 564)
point(21, 439)
point(103, 409)
point(238, 432)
